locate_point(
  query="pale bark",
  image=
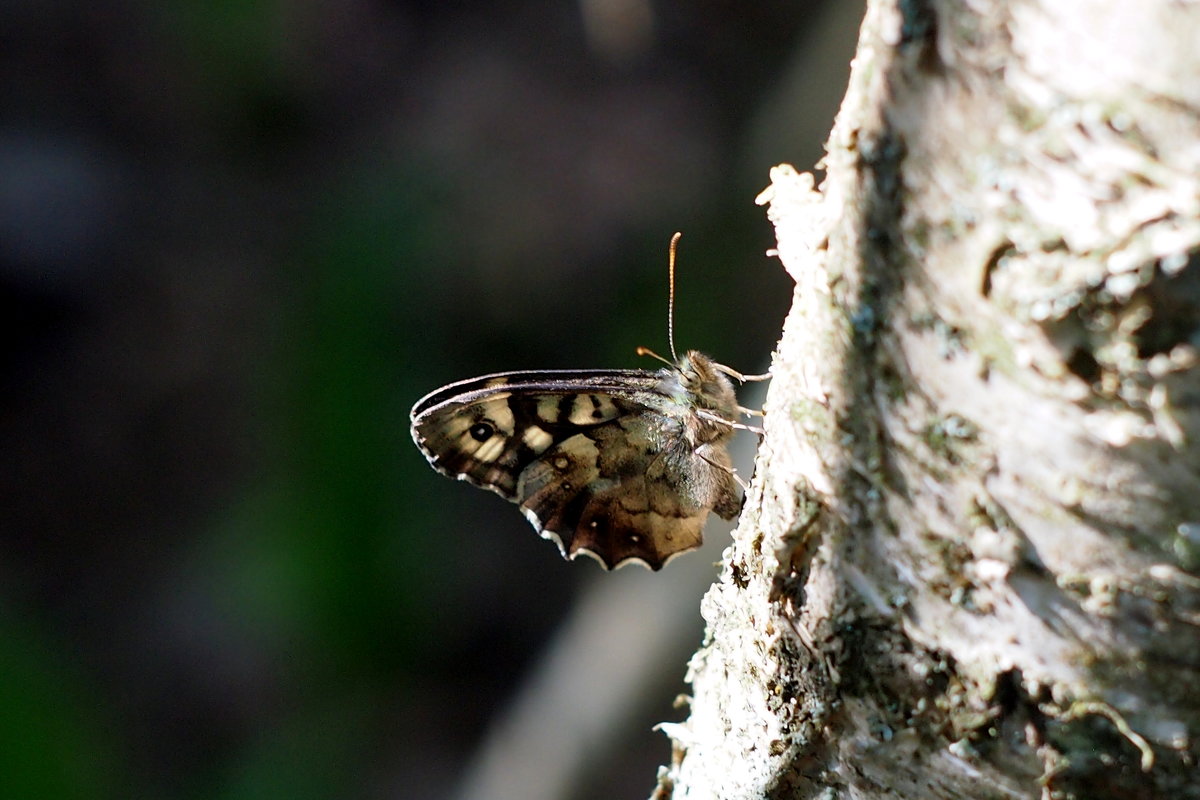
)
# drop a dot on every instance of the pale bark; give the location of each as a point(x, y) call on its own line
point(969, 565)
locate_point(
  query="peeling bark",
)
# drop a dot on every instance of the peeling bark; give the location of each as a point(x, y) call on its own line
point(969, 565)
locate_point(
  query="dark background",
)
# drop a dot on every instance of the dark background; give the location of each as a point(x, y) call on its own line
point(237, 241)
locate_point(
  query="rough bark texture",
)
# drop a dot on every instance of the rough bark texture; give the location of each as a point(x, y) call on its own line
point(970, 563)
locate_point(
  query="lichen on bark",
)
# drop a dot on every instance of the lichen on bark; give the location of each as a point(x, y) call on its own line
point(969, 565)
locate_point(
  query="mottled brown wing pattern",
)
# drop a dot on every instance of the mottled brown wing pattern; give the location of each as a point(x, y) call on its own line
point(486, 430)
point(614, 464)
point(609, 494)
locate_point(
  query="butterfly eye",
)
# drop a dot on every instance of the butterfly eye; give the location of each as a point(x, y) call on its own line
point(482, 431)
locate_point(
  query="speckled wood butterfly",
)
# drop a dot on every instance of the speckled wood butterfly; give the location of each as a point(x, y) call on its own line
point(620, 465)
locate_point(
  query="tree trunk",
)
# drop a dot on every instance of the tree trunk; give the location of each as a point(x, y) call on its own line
point(969, 565)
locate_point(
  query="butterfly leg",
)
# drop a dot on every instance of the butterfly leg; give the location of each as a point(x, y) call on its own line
point(756, 430)
point(753, 412)
point(708, 415)
point(725, 468)
point(733, 373)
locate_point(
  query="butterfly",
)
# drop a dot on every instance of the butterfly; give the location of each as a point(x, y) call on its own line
point(623, 465)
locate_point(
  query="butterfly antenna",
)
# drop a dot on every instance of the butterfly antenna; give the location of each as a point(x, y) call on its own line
point(646, 351)
point(671, 294)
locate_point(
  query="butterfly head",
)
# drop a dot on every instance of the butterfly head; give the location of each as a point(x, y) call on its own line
point(697, 381)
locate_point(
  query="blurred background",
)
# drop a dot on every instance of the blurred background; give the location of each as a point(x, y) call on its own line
point(238, 240)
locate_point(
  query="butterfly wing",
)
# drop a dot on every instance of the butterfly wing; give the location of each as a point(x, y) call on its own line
point(596, 460)
point(487, 430)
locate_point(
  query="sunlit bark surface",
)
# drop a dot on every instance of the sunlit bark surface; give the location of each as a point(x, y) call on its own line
point(970, 563)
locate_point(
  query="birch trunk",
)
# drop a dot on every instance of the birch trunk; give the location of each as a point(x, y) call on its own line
point(969, 565)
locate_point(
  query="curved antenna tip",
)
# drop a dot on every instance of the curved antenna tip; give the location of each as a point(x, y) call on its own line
point(671, 293)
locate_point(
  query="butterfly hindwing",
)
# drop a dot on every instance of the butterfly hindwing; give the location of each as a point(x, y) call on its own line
point(607, 494)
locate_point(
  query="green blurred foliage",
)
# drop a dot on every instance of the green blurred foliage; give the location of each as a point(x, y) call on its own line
point(57, 737)
point(229, 573)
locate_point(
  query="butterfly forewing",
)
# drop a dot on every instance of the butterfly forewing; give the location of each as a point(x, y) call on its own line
point(486, 430)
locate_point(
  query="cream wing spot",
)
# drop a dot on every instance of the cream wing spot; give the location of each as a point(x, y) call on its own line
point(497, 412)
point(547, 409)
point(490, 450)
point(536, 439)
point(592, 409)
point(457, 426)
point(577, 448)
